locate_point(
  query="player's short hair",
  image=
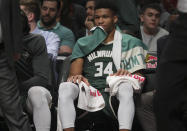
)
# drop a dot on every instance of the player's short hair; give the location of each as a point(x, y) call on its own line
point(107, 4)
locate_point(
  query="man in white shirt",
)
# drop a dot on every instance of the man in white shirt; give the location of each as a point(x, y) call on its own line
point(150, 30)
point(32, 10)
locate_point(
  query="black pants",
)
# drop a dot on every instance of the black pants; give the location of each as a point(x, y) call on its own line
point(10, 103)
point(170, 101)
point(144, 111)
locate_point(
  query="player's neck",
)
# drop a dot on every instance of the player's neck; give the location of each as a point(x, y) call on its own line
point(110, 37)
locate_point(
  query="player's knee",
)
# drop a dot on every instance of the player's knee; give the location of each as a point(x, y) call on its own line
point(37, 96)
point(66, 90)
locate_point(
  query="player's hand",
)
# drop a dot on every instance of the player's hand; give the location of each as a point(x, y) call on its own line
point(121, 72)
point(78, 78)
point(89, 24)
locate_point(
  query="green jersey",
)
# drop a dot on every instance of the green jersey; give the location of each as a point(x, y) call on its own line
point(98, 65)
point(98, 61)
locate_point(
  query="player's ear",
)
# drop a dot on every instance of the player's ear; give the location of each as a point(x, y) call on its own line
point(115, 19)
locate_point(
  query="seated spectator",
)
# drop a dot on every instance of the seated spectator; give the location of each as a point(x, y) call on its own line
point(150, 30)
point(73, 16)
point(33, 71)
point(49, 13)
point(93, 69)
point(89, 22)
point(32, 10)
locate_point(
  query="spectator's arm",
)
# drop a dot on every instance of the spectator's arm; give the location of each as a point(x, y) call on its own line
point(67, 43)
point(65, 49)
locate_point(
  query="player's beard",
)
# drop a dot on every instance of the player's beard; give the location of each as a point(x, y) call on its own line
point(49, 22)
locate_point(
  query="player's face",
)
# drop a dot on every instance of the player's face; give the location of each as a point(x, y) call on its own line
point(90, 5)
point(49, 12)
point(150, 19)
point(105, 18)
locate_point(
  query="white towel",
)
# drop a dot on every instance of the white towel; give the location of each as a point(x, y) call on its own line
point(90, 99)
point(135, 80)
point(116, 50)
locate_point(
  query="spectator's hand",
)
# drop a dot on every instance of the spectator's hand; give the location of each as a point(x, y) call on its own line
point(78, 78)
point(89, 24)
point(121, 72)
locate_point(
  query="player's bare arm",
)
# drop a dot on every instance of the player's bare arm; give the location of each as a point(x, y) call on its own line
point(76, 72)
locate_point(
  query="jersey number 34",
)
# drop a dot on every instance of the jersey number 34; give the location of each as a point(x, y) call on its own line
point(100, 70)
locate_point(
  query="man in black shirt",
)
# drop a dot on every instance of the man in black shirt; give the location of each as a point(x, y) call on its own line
point(170, 101)
point(33, 77)
point(10, 43)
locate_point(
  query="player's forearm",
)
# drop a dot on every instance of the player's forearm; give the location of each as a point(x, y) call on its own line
point(76, 67)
